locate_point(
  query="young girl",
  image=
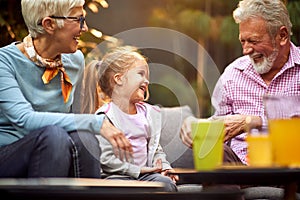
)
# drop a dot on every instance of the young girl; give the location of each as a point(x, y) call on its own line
point(124, 78)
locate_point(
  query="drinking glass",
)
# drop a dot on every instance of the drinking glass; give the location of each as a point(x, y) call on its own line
point(208, 139)
point(283, 114)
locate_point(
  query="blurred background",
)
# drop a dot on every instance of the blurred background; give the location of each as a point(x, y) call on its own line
point(208, 23)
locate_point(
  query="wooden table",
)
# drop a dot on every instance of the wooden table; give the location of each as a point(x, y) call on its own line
point(95, 189)
point(102, 185)
point(289, 178)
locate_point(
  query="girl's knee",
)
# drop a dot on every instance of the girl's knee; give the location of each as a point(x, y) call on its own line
point(170, 186)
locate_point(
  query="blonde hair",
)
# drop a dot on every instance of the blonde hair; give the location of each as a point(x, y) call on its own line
point(34, 11)
point(98, 81)
point(274, 12)
point(90, 92)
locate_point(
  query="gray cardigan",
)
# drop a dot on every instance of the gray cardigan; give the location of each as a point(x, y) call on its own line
point(113, 165)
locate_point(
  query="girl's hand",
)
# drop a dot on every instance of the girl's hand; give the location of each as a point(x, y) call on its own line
point(157, 168)
point(166, 172)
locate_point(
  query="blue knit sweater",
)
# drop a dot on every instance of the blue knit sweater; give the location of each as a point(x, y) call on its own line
point(27, 104)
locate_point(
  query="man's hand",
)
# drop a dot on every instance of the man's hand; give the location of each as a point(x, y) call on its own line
point(237, 124)
point(186, 131)
point(234, 125)
point(121, 145)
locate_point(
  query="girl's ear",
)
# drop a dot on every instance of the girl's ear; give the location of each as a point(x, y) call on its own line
point(118, 79)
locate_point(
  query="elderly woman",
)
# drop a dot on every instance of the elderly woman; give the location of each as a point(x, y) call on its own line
point(39, 137)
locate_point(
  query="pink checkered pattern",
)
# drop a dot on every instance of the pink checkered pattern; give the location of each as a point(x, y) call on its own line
point(240, 90)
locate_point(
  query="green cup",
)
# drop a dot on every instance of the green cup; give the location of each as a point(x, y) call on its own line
point(207, 144)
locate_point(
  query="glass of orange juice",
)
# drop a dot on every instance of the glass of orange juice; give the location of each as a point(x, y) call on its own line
point(283, 113)
point(259, 149)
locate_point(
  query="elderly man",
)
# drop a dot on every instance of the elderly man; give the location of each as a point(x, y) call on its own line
point(270, 65)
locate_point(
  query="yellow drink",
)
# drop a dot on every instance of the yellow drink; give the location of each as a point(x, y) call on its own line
point(285, 137)
point(259, 150)
point(208, 144)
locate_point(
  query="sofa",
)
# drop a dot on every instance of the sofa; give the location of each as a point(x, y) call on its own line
point(178, 154)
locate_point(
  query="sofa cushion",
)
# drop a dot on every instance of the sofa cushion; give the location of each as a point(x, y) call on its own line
point(178, 154)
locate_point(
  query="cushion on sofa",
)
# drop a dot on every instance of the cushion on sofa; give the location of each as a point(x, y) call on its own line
point(178, 154)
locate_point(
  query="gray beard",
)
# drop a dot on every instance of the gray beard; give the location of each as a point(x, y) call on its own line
point(266, 65)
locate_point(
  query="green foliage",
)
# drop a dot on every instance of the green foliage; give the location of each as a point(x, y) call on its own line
point(194, 22)
point(294, 11)
point(12, 27)
point(229, 30)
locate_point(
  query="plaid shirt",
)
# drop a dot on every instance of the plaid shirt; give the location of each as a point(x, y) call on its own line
point(240, 90)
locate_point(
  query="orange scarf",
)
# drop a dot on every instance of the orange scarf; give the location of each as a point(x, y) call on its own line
point(52, 68)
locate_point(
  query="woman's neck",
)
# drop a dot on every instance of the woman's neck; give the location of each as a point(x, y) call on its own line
point(43, 47)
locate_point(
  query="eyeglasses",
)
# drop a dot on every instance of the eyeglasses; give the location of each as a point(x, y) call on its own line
point(80, 19)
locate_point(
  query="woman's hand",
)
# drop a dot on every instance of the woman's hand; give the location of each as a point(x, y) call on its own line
point(121, 145)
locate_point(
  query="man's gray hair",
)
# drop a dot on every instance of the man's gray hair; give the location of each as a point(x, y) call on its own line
point(274, 12)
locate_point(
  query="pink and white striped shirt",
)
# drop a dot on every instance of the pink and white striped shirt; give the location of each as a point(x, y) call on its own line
point(240, 90)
